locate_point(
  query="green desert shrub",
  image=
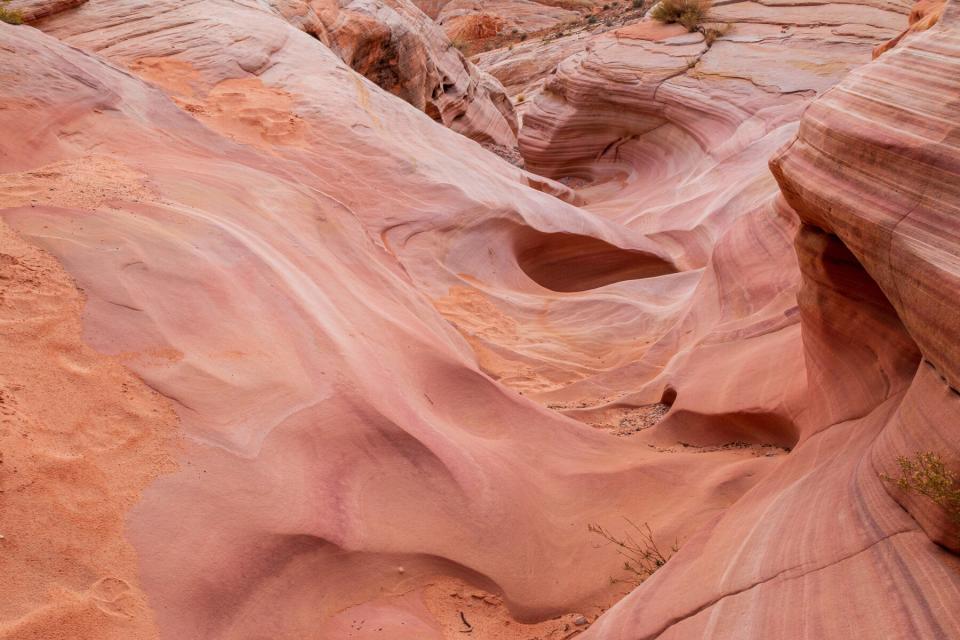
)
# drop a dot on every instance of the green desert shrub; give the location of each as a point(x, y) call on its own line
point(689, 13)
point(926, 474)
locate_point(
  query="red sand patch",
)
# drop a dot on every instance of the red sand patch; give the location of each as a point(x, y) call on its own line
point(244, 109)
point(69, 419)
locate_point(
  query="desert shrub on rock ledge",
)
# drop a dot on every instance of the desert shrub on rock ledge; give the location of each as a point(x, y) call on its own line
point(689, 13)
point(10, 16)
point(643, 555)
point(927, 475)
point(711, 33)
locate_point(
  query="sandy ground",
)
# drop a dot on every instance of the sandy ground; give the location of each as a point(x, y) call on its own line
point(80, 437)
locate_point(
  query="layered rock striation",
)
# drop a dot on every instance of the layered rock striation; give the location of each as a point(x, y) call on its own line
point(871, 183)
point(398, 47)
point(325, 368)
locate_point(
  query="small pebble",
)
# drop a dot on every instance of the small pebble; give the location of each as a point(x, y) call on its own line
point(580, 621)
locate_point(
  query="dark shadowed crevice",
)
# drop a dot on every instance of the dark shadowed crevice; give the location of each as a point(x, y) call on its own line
point(569, 262)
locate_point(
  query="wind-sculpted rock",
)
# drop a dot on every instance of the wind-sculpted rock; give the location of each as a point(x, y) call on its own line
point(466, 20)
point(32, 10)
point(398, 47)
point(925, 14)
point(873, 184)
point(719, 92)
point(283, 357)
point(269, 251)
point(902, 239)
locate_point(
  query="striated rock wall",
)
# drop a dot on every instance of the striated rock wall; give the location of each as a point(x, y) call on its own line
point(642, 77)
point(33, 10)
point(398, 47)
point(925, 14)
point(465, 20)
point(408, 375)
point(902, 235)
point(873, 184)
point(283, 267)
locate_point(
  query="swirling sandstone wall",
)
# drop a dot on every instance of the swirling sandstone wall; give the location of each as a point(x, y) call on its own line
point(321, 367)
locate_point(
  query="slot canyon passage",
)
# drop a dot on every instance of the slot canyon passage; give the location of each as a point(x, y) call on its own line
point(406, 319)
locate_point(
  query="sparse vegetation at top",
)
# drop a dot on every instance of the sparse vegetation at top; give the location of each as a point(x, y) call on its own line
point(10, 16)
point(710, 34)
point(927, 475)
point(642, 555)
point(689, 13)
point(460, 45)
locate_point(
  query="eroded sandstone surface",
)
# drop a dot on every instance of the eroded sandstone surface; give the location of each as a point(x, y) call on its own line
point(287, 354)
point(398, 47)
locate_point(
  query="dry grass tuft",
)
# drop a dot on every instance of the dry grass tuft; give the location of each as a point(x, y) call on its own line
point(689, 13)
point(643, 555)
point(10, 16)
point(710, 34)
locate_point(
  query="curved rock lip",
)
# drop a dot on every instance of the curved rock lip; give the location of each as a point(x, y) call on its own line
point(568, 262)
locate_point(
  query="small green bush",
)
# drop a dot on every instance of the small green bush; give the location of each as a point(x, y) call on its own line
point(10, 16)
point(689, 13)
point(927, 475)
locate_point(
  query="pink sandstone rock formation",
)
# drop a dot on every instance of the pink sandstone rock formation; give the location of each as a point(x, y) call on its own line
point(286, 358)
point(33, 10)
point(395, 45)
point(466, 20)
point(877, 284)
point(506, 8)
point(923, 15)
